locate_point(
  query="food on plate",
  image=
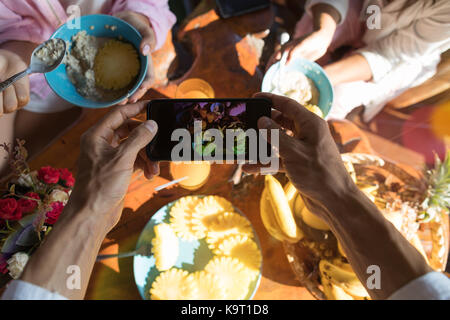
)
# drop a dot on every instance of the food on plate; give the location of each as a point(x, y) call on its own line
point(233, 275)
point(296, 85)
point(101, 69)
point(313, 220)
point(182, 221)
point(236, 258)
point(209, 208)
point(270, 221)
point(116, 65)
point(242, 248)
point(225, 225)
point(208, 286)
point(165, 247)
point(173, 284)
point(51, 51)
point(280, 206)
point(347, 280)
point(314, 109)
point(318, 259)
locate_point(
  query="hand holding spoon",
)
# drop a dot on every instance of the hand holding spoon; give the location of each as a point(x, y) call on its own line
point(38, 64)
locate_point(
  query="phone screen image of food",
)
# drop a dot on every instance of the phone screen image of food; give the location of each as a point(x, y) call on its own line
point(225, 116)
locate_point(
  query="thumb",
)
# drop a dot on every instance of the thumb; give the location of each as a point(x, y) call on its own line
point(139, 138)
point(148, 42)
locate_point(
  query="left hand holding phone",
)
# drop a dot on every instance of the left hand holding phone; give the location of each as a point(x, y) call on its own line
point(110, 152)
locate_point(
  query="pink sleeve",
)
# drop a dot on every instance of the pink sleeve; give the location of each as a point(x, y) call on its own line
point(29, 20)
point(157, 11)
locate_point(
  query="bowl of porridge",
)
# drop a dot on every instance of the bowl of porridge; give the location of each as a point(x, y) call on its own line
point(302, 80)
point(103, 64)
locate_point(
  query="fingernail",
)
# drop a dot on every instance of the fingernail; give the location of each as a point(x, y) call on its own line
point(151, 126)
point(146, 50)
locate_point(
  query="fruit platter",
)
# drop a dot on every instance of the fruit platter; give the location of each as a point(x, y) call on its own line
point(202, 248)
point(416, 206)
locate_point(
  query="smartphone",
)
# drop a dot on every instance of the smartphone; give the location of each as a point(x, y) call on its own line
point(232, 8)
point(207, 129)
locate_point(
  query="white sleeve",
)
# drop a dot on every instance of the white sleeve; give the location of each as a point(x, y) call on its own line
point(21, 290)
point(431, 286)
point(419, 41)
point(340, 5)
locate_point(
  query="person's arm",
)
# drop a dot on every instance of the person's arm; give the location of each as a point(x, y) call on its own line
point(105, 167)
point(351, 68)
point(312, 163)
point(424, 38)
point(326, 16)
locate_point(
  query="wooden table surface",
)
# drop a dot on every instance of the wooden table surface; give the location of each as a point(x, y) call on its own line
point(226, 55)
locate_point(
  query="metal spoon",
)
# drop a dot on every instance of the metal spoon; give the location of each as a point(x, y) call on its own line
point(36, 65)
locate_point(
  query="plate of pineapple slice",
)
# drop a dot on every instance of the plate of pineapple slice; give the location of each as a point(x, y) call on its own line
point(416, 204)
point(202, 248)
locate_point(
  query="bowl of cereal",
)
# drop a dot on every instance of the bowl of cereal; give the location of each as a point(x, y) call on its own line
point(103, 64)
point(302, 80)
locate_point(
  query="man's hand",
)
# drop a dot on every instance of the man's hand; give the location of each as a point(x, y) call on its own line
point(17, 95)
point(110, 152)
point(148, 44)
point(309, 155)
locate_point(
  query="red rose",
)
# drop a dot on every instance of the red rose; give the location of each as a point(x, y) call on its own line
point(28, 205)
point(53, 215)
point(48, 175)
point(9, 209)
point(66, 177)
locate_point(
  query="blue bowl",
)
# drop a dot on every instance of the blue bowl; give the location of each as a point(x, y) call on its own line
point(313, 71)
point(58, 80)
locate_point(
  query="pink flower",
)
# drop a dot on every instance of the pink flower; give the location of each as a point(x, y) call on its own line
point(66, 177)
point(48, 175)
point(28, 205)
point(53, 215)
point(9, 209)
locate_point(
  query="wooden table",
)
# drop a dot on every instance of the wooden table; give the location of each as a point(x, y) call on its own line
point(227, 55)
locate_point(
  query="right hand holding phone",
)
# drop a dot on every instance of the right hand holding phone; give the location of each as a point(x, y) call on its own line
point(17, 95)
point(308, 155)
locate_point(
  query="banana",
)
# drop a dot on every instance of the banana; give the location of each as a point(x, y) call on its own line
point(269, 220)
point(341, 250)
point(291, 194)
point(295, 200)
point(298, 206)
point(313, 221)
point(333, 292)
point(348, 281)
point(280, 206)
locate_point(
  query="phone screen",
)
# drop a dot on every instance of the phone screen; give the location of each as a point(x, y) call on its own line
point(206, 129)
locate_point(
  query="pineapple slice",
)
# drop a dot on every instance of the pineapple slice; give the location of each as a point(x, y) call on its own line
point(233, 275)
point(173, 284)
point(227, 224)
point(244, 249)
point(208, 286)
point(165, 247)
